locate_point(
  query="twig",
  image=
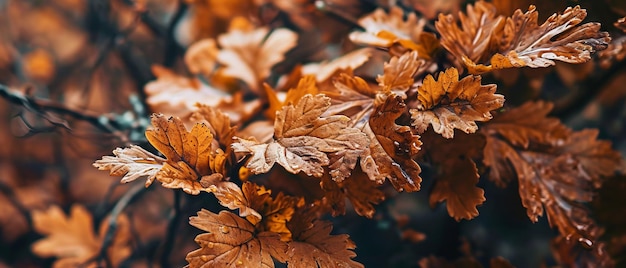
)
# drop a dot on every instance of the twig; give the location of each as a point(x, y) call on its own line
point(10, 195)
point(121, 204)
point(589, 90)
point(172, 226)
point(48, 110)
point(172, 49)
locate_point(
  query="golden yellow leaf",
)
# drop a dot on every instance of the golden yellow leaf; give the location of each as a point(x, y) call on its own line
point(399, 72)
point(189, 154)
point(306, 85)
point(448, 103)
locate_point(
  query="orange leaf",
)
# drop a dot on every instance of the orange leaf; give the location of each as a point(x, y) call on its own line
point(392, 147)
point(232, 241)
point(448, 103)
point(72, 240)
point(189, 154)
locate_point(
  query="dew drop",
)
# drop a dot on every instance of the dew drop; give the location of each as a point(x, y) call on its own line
point(224, 229)
point(204, 258)
point(239, 263)
point(210, 245)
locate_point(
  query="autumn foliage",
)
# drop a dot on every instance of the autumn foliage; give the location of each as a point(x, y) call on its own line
point(273, 121)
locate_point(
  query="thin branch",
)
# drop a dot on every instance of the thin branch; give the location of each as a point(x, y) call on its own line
point(10, 195)
point(51, 112)
point(172, 226)
point(121, 204)
point(172, 49)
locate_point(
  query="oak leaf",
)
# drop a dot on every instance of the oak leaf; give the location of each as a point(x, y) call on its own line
point(232, 241)
point(189, 154)
point(557, 171)
point(456, 173)
point(132, 163)
point(249, 55)
point(72, 240)
point(314, 246)
point(392, 147)
point(448, 103)
point(303, 138)
point(520, 40)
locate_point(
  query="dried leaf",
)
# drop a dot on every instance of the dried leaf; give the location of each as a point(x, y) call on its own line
point(554, 172)
point(349, 61)
point(393, 31)
point(448, 103)
point(520, 40)
point(176, 95)
point(362, 192)
point(392, 147)
point(132, 163)
point(233, 197)
point(189, 154)
point(302, 140)
point(479, 33)
point(232, 241)
point(219, 123)
point(201, 57)
point(314, 246)
point(72, 240)
point(306, 85)
point(456, 173)
point(249, 55)
point(399, 73)
point(621, 24)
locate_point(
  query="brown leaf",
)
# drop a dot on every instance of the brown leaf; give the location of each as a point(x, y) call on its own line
point(520, 40)
point(233, 197)
point(349, 61)
point(232, 241)
point(303, 138)
point(306, 85)
point(478, 35)
point(249, 55)
point(557, 171)
point(72, 240)
point(362, 192)
point(456, 173)
point(448, 103)
point(176, 95)
point(399, 73)
point(132, 163)
point(201, 57)
point(219, 123)
point(621, 24)
point(392, 147)
point(189, 154)
point(391, 30)
point(314, 246)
